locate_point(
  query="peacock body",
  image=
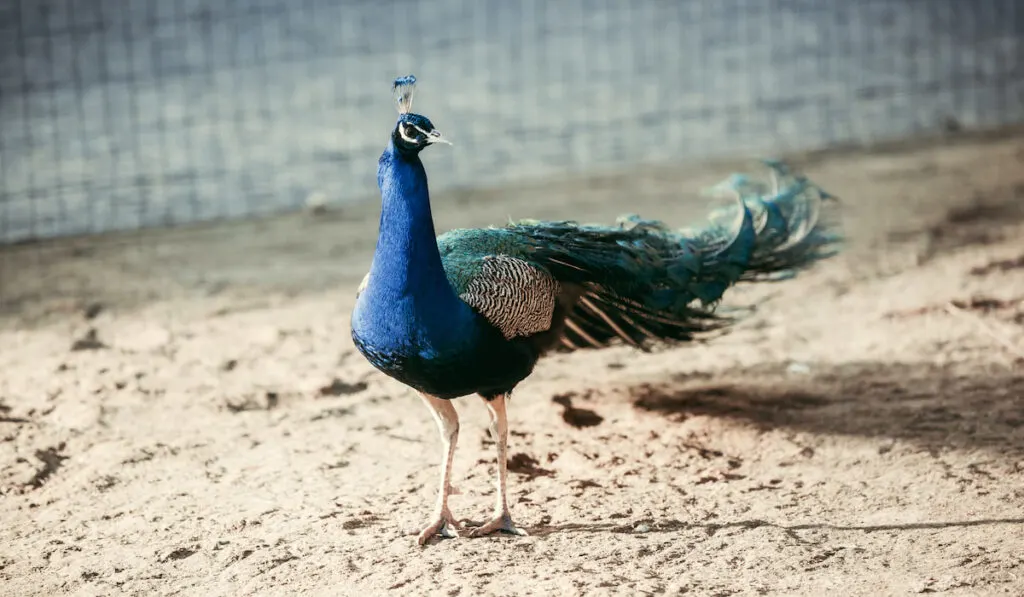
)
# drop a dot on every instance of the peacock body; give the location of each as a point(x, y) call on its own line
point(472, 311)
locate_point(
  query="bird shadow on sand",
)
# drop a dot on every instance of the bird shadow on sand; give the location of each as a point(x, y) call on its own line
point(711, 528)
point(935, 407)
point(931, 407)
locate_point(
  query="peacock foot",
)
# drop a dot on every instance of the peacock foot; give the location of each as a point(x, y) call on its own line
point(444, 525)
point(502, 522)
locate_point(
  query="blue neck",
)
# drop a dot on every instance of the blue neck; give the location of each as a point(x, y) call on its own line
point(406, 264)
point(408, 299)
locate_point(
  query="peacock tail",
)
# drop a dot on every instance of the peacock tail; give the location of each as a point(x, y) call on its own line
point(638, 281)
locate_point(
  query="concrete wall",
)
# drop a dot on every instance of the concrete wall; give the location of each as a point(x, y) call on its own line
point(116, 114)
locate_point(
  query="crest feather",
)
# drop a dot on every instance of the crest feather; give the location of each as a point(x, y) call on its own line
point(403, 88)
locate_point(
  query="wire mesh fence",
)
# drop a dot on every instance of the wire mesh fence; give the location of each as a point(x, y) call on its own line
point(120, 114)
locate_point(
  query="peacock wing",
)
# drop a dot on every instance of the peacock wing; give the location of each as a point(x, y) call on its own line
point(495, 277)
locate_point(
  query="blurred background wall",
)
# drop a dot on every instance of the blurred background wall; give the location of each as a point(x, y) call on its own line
point(120, 114)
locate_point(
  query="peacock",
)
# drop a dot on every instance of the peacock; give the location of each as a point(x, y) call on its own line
point(472, 311)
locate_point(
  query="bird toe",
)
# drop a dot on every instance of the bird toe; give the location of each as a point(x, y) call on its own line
point(502, 523)
point(444, 526)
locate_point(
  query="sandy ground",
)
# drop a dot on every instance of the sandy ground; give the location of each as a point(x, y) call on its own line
point(182, 412)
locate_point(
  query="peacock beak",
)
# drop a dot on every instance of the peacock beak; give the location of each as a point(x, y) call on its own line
point(435, 137)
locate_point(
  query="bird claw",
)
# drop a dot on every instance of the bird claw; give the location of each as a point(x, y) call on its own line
point(502, 522)
point(444, 525)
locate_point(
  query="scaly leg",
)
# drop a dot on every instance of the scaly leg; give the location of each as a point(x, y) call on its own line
point(502, 520)
point(443, 523)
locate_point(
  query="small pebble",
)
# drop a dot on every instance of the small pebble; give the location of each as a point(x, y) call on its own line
point(316, 203)
point(799, 369)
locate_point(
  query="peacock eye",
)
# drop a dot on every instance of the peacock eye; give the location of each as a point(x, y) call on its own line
point(408, 133)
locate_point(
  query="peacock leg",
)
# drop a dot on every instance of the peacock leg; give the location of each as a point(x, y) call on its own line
point(443, 523)
point(502, 520)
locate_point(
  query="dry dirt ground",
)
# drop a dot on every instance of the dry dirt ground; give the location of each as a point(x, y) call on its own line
point(182, 412)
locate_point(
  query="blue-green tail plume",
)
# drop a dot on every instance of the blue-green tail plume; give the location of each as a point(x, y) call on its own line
point(642, 282)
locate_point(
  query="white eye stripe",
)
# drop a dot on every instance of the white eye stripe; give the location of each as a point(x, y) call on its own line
point(406, 138)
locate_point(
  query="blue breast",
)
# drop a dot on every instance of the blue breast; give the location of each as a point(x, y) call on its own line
point(450, 360)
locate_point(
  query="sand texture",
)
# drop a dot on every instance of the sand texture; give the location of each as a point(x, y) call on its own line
point(182, 412)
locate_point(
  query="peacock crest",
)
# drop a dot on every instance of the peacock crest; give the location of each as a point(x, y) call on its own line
point(403, 88)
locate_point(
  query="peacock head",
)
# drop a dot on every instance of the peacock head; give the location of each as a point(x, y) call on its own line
point(413, 132)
